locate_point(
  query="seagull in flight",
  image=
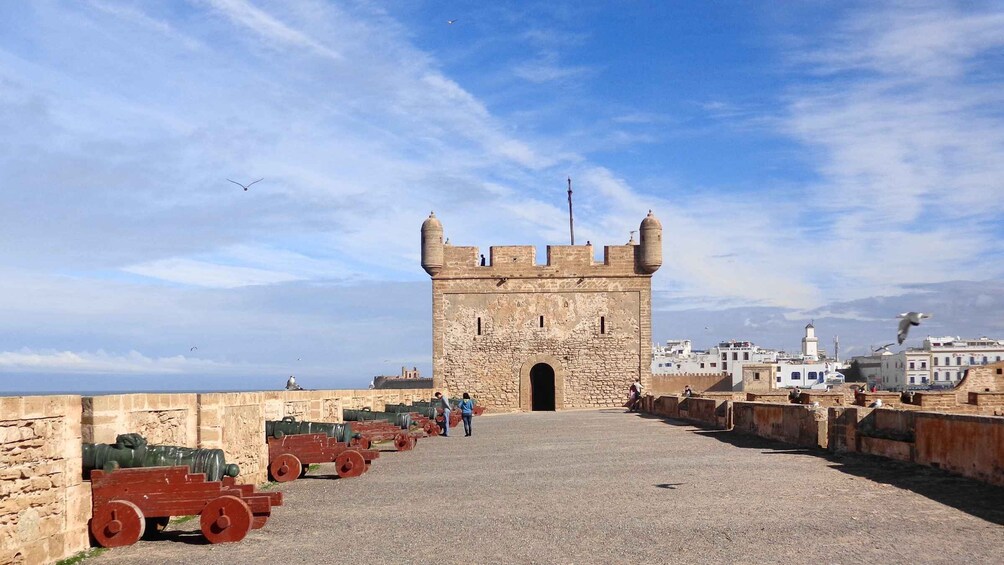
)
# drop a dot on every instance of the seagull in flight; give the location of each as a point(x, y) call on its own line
point(243, 186)
point(451, 22)
point(908, 319)
point(886, 346)
point(194, 348)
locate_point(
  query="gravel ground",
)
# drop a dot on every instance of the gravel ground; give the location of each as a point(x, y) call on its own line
point(605, 486)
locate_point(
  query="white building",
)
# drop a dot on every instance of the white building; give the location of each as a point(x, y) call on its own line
point(728, 358)
point(941, 363)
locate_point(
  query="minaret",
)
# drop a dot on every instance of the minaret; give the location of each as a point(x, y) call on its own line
point(649, 251)
point(810, 342)
point(432, 245)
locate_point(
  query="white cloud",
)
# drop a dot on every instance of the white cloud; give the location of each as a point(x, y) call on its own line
point(101, 362)
point(209, 275)
point(269, 27)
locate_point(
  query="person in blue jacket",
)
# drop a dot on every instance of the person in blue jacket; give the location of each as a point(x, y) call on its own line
point(466, 411)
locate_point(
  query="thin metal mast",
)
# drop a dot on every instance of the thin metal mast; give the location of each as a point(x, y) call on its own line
point(571, 228)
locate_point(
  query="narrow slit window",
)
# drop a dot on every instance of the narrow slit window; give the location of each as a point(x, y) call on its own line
point(479, 326)
point(541, 321)
point(603, 324)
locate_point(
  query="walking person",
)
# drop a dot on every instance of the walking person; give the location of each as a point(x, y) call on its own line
point(466, 413)
point(635, 396)
point(444, 405)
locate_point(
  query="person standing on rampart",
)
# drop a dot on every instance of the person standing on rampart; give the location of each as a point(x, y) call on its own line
point(444, 405)
point(466, 413)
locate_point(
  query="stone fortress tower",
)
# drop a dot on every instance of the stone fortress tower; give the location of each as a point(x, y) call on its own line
point(571, 333)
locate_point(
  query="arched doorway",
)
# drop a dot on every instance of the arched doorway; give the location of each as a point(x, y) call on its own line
point(542, 387)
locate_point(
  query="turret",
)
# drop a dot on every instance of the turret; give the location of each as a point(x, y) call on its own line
point(650, 248)
point(432, 245)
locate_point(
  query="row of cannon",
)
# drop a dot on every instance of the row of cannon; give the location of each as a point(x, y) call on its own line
point(136, 488)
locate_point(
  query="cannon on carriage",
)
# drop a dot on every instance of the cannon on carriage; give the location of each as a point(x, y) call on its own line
point(294, 445)
point(136, 488)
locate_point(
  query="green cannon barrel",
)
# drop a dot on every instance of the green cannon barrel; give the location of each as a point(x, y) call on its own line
point(290, 426)
point(132, 450)
point(402, 420)
point(427, 411)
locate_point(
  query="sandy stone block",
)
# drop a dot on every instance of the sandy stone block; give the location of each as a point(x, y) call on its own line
point(10, 407)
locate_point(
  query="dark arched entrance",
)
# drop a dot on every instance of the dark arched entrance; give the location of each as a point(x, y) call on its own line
point(542, 387)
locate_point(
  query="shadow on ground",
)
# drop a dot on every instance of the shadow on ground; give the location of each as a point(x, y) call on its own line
point(973, 497)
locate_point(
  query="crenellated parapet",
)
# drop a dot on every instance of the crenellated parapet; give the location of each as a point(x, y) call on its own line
point(445, 261)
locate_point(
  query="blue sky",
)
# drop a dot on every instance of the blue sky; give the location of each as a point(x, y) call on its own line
point(830, 161)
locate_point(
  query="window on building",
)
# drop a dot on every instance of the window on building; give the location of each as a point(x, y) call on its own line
point(746, 355)
point(972, 360)
point(479, 326)
point(935, 375)
point(923, 364)
point(541, 321)
point(725, 366)
point(911, 364)
point(998, 357)
point(984, 359)
point(935, 361)
point(911, 380)
point(958, 360)
point(714, 364)
point(779, 378)
point(796, 376)
point(702, 365)
point(923, 379)
point(811, 375)
point(735, 356)
point(756, 375)
point(603, 324)
point(948, 360)
point(725, 356)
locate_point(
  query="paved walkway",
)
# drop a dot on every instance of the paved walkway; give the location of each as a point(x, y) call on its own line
point(605, 486)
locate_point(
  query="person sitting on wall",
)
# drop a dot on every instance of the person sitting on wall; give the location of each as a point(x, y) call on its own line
point(795, 394)
point(634, 395)
point(687, 393)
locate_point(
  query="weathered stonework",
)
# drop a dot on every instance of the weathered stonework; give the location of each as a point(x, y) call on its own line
point(589, 322)
point(44, 505)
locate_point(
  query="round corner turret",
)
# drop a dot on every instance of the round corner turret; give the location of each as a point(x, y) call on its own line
point(650, 248)
point(432, 245)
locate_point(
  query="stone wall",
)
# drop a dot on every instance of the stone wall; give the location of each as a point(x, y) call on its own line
point(969, 445)
point(589, 321)
point(675, 384)
point(166, 419)
point(44, 503)
point(235, 423)
point(796, 424)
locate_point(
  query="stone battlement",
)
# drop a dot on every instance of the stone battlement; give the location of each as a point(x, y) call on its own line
point(520, 261)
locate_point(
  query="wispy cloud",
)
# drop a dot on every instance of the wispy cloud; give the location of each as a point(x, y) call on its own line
point(101, 362)
point(269, 27)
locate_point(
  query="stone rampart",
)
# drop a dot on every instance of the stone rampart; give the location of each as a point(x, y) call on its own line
point(968, 445)
point(166, 419)
point(797, 424)
point(44, 502)
point(675, 384)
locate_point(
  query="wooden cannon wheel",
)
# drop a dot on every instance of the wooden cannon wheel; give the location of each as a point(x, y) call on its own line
point(117, 523)
point(350, 463)
point(225, 519)
point(403, 442)
point(285, 468)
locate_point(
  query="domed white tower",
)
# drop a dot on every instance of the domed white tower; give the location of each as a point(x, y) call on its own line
point(650, 248)
point(810, 342)
point(432, 245)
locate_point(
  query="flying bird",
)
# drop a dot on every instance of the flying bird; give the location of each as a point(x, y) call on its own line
point(243, 186)
point(909, 319)
point(451, 22)
point(886, 346)
point(194, 348)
